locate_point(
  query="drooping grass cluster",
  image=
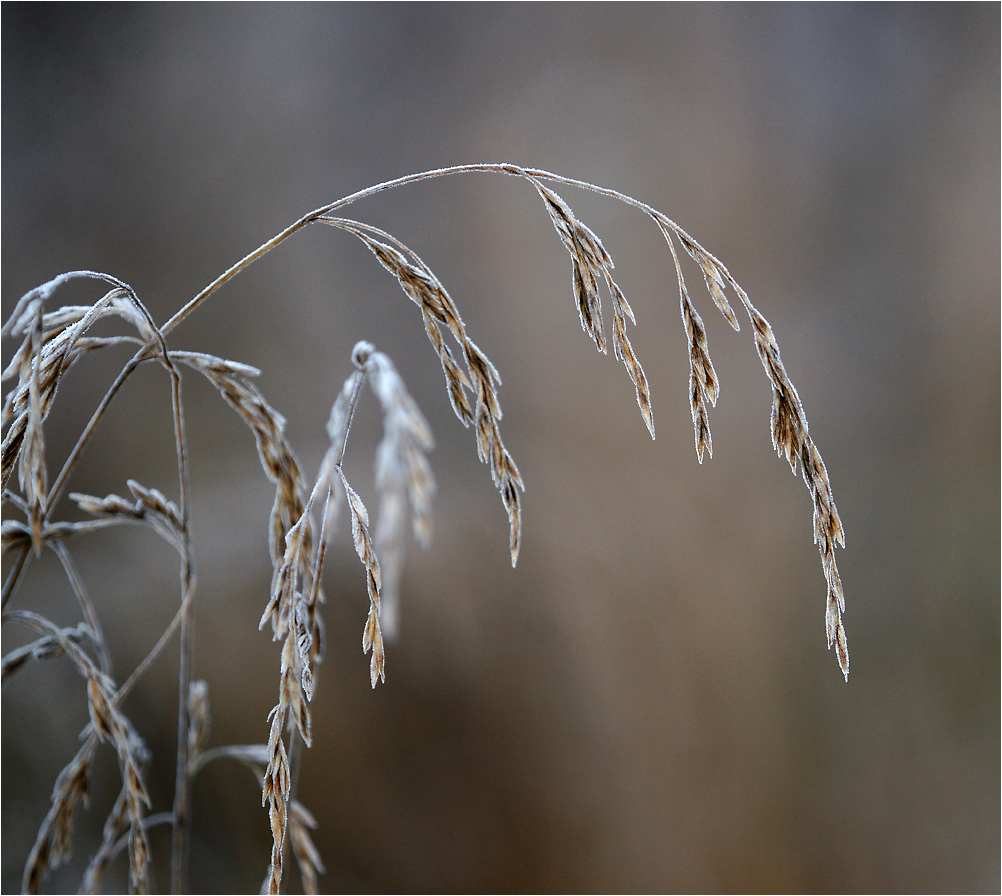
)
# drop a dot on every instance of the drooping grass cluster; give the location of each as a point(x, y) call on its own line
point(305, 515)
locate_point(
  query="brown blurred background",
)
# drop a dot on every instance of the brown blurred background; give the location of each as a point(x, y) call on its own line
point(646, 702)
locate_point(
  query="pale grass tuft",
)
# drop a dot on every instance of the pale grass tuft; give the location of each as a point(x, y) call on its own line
point(303, 520)
point(403, 476)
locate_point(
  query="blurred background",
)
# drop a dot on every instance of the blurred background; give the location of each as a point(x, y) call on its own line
point(646, 702)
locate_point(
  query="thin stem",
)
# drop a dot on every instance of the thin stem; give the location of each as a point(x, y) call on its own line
point(86, 605)
point(351, 416)
point(14, 576)
point(321, 552)
point(481, 168)
point(147, 661)
point(253, 756)
point(181, 842)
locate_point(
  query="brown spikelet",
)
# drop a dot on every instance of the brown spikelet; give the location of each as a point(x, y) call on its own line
point(275, 795)
point(712, 275)
point(113, 827)
point(623, 351)
point(588, 258)
point(150, 507)
point(372, 638)
point(111, 505)
point(53, 844)
point(154, 501)
point(791, 439)
point(590, 263)
point(301, 822)
point(703, 386)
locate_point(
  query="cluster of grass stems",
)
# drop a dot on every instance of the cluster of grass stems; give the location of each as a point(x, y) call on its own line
point(306, 513)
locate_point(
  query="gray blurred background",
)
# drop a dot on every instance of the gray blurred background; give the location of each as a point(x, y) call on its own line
point(646, 702)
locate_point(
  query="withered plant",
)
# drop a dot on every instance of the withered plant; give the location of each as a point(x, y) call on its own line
point(305, 515)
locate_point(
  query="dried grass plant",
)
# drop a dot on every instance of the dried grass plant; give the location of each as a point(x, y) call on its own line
point(306, 513)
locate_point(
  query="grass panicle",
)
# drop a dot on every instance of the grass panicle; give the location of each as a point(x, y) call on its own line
point(303, 523)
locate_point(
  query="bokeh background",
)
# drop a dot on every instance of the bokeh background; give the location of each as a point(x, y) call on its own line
point(646, 702)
